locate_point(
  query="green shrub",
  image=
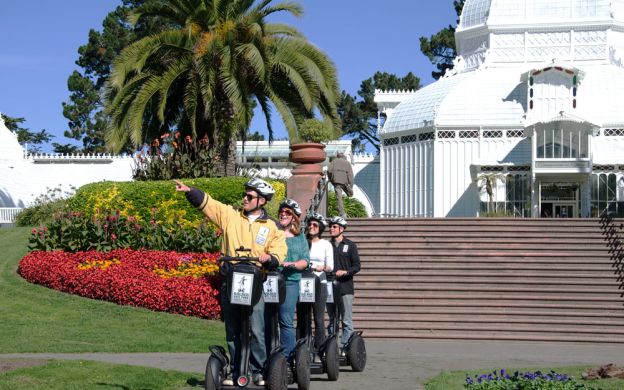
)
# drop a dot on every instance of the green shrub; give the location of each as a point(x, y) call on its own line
point(314, 130)
point(73, 232)
point(44, 207)
point(353, 207)
point(158, 200)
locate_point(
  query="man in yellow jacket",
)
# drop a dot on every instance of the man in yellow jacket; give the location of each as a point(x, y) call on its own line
point(250, 228)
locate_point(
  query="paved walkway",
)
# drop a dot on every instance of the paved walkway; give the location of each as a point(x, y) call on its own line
point(395, 364)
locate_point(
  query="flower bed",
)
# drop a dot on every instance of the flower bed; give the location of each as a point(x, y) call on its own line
point(522, 381)
point(184, 284)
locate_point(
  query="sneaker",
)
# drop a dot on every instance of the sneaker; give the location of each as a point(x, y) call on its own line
point(227, 382)
point(258, 379)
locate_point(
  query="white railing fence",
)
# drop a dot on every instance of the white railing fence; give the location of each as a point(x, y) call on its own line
point(8, 214)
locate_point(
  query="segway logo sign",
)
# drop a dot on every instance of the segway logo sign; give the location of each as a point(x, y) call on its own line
point(306, 290)
point(241, 288)
point(271, 294)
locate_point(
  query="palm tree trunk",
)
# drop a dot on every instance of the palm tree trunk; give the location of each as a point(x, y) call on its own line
point(226, 165)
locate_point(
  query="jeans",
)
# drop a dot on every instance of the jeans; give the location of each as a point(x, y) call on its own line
point(345, 312)
point(287, 316)
point(232, 317)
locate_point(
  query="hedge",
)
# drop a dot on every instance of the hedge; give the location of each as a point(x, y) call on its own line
point(158, 200)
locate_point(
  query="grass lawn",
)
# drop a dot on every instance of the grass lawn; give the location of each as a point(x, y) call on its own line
point(452, 380)
point(84, 375)
point(37, 319)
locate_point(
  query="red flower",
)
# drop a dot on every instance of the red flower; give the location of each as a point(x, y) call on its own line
point(131, 281)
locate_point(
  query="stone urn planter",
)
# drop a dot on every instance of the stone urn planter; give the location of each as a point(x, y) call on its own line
point(308, 156)
point(306, 175)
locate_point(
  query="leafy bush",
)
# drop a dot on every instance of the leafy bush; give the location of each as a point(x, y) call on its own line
point(132, 278)
point(522, 381)
point(353, 207)
point(158, 200)
point(73, 231)
point(44, 207)
point(314, 130)
point(173, 158)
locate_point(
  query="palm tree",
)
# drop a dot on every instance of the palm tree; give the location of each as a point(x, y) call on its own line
point(487, 182)
point(205, 76)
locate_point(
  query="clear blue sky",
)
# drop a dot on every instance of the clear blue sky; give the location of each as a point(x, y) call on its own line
point(39, 42)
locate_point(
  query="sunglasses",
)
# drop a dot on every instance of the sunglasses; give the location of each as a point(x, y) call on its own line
point(313, 224)
point(285, 211)
point(249, 197)
point(334, 226)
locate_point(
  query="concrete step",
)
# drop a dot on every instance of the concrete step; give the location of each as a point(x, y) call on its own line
point(459, 312)
point(407, 297)
point(409, 320)
point(580, 280)
point(494, 327)
point(490, 335)
point(368, 274)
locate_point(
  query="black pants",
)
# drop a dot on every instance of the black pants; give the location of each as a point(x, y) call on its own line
point(319, 317)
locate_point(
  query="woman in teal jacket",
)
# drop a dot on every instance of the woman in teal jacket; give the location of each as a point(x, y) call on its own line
point(297, 260)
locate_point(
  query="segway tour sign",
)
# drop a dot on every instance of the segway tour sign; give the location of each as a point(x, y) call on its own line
point(241, 288)
point(307, 291)
point(271, 291)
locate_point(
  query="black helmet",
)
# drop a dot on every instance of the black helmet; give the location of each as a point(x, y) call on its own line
point(263, 188)
point(291, 204)
point(318, 218)
point(338, 221)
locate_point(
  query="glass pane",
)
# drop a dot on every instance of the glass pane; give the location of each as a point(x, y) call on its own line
point(593, 183)
point(548, 143)
point(602, 188)
point(612, 188)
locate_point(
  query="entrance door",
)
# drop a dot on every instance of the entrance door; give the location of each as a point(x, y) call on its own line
point(564, 210)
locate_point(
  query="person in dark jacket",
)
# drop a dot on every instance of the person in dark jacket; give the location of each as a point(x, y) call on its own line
point(341, 176)
point(346, 264)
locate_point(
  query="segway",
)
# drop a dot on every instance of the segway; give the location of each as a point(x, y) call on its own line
point(244, 286)
point(309, 292)
point(274, 295)
point(355, 349)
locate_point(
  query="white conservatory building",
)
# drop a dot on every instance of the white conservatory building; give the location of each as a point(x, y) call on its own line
point(530, 122)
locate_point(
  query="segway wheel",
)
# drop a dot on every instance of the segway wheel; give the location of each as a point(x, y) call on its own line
point(277, 373)
point(214, 374)
point(357, 353)
point(302, 367)
point(332, 362)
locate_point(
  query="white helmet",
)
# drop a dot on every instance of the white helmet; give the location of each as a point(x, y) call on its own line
point(338, 221)
point(263, 188)
point(291, 204)
point(319, 218)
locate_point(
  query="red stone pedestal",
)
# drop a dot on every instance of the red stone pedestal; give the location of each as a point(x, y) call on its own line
point(303, 183)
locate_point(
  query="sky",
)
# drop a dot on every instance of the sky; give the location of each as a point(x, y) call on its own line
point(39, 43)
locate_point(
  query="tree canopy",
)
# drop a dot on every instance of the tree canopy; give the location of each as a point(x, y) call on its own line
point(440, 47)
point(24, 136)
point(84, 109)
point(202, 76)
point(359, 116)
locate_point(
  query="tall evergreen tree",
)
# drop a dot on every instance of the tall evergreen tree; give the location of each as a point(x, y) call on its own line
point(359, 117)
point(84, 110)
point(201, 76)
point(33, 140)
point(440, 47)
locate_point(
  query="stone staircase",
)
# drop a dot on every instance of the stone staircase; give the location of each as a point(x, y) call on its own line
point(490, 279)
